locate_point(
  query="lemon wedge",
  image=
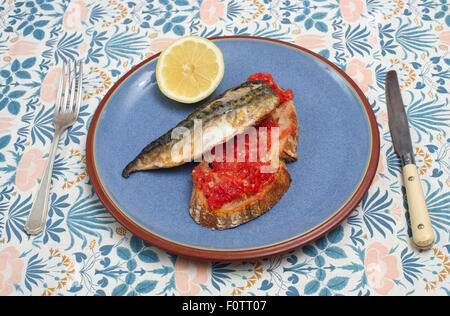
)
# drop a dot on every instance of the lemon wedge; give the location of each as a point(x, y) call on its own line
point(190, 69)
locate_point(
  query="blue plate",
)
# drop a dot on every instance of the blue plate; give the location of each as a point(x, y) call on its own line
point(338, 155)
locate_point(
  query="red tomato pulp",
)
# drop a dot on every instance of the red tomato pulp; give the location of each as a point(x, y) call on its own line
point(226, 181)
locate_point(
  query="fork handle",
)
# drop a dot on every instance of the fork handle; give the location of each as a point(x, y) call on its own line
point(38, 215)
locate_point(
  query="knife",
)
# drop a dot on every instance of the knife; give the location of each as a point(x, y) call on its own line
point(422, 231)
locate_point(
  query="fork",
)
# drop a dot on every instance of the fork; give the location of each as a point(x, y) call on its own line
point(67, 107)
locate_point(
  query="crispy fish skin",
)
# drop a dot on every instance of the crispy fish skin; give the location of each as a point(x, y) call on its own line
point(231, 112)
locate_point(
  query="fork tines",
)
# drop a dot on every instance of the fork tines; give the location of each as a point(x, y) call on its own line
point(70, 88)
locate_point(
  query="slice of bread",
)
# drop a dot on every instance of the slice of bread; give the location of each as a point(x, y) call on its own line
point(286, 117)
point(241, 210)
point(248, 207)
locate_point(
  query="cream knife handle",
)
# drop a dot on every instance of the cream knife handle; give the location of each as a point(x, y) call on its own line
point(422, 231)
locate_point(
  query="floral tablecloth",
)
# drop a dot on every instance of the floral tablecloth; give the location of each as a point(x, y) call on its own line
point(84, 251)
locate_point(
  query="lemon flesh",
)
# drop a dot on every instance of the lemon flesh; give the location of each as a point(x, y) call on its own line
point(190, 69)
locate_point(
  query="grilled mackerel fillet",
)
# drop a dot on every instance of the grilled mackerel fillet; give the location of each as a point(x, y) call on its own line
point(224, 117)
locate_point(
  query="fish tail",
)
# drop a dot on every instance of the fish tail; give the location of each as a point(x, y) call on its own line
point(129, 169)
point(133, 165)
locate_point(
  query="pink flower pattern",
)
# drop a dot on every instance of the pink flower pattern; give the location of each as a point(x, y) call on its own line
point(11, 269)
point(361, 74)
point(49, 87)
point(6, 124)
point(160, 44)
point(75, 14)
point(24, 48)
point(30, 169)
point(381, 268)
point(351, 10)
point(211, 11)
point(190, 275)
point(445, 38)
point(311, 41)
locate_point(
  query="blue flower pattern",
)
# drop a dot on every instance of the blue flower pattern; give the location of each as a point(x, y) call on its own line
point(84, 251)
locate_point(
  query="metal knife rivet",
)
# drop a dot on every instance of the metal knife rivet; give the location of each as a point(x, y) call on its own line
point(410, 179)
point(421, 226)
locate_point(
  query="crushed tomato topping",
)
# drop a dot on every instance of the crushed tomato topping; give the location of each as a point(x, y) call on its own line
point(229, 179)
point(285, 95)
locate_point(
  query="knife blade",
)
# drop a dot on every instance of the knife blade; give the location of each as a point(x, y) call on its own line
point(422, 230)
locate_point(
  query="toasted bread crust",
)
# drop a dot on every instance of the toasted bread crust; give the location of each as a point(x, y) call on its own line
point(289, 153)
point(288, 119)
point(234, 214)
